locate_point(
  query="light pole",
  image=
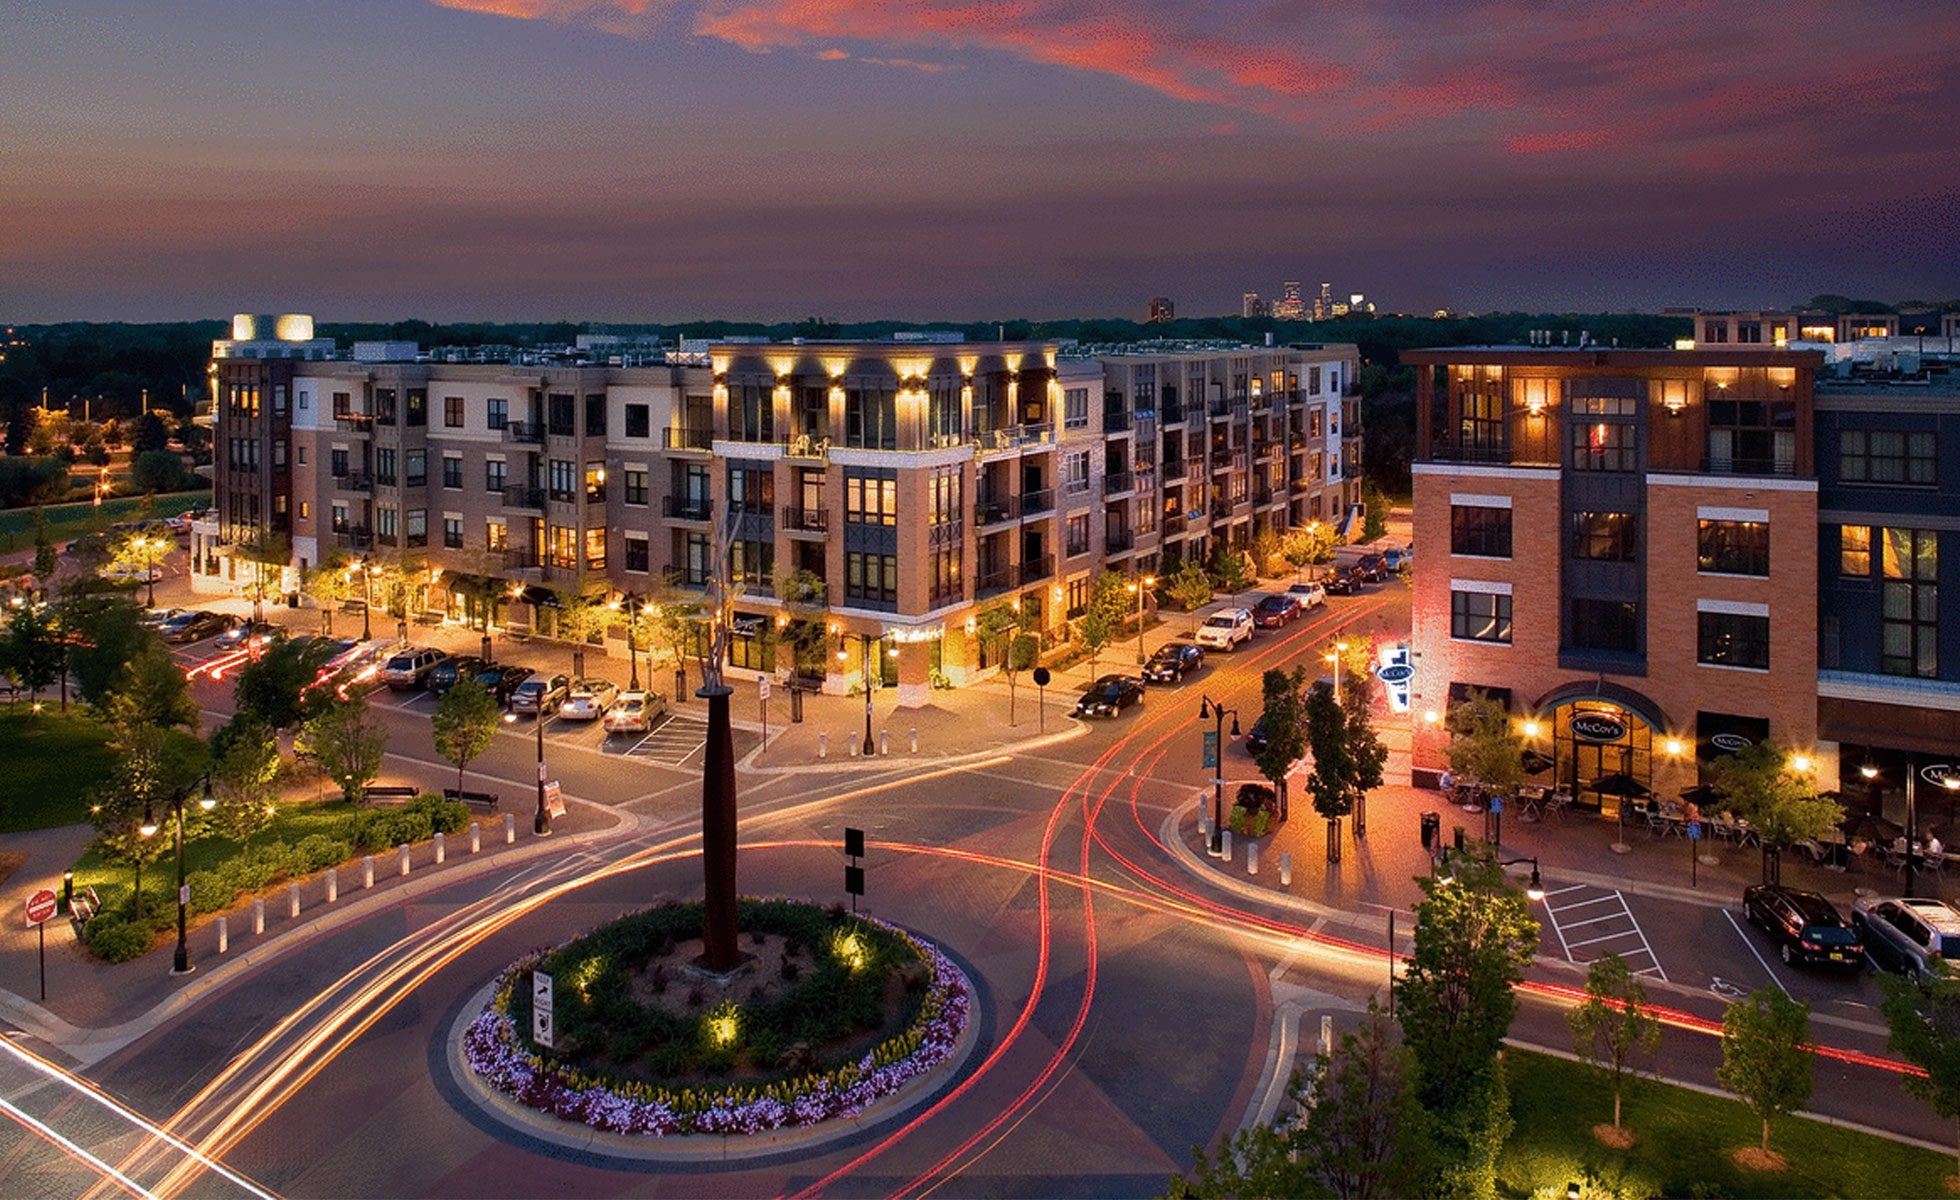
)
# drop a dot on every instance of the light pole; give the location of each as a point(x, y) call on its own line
point(1535, 890)
point(540, 824)
point(148, 547)
point(1212, 709)
point(867, 692)
point(367, 600)
point(1334, 656)
point(181, 963)
point(1140, 587)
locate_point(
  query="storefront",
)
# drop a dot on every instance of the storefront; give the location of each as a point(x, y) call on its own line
point(1901, 787)
point(1602, 739)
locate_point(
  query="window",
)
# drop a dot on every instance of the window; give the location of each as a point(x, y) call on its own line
point(636, 554)
point(496, 536)
point(695, 563)
point(1075, 473)
point(946, 488)
point(752, 413)
point(752, 563)
point(340, 524)
point(385, 458)
point(417, 524)
point(1888, 456)
point(302, 456)
point(595, 548)
point(1604, 625)
point(1909, 604)
point(752, 488)
point(872, 577)
point(386, 523)
point(1855, 551)
point(1602, 445)
point(1733, 640)
point(499, 415)
point(493, 475)
point(946, 576)
point(870, 500)
point(1483, 532)
point(561, 416)
point(416, 468)
point(337, 462)
point(1483, 421)
point(1078, 534)
point(1480, 616)
point(1605, 536)
point(1751, 436)
point(635, 483)
point(562, 478)
point(870, 419)
point(415, 406)
point(1735, 547)
point(452, 412)
point(1075, 406)
point(637, 423)
point(563, 544)
point(452, 471)
point(595, 416)
point(452, 533)
point(343, 404)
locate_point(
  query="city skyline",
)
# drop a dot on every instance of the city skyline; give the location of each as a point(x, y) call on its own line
point(755, 159)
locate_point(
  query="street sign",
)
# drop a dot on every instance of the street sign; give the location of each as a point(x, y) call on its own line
point(1694, 831)
point(553, 802)
point(541, 1023)
point(1041, 677)
point(853, 842)
point(1497, 805)
point(40, 906)
point(1211, 749)
point(762, 686)
point(854, 880)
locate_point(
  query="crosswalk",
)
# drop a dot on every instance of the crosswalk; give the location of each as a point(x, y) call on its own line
point(1592, 922)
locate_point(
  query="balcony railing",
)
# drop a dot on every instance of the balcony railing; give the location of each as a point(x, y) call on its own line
point(992, 583)
point(1036, 502)
point(1221, 509)
point(1013, 437)
point(1262, 497)
point(1173, 414)
point(1174, 525)
point(990, 511)
point(1034, 570)
point(688, 439)
point(528, 433)
point(806, 520)
point(351, 422)
point(353, 537)
point(1173, 468)
point(1115, 420)
point(688, 508)
point(384, 416)
point(945, 533)
point(562, 495)
point(1116, 541)
point(1748, 466)
point(354, 483)
point(1444, 451)
point(1115, 483)
point(524, 497)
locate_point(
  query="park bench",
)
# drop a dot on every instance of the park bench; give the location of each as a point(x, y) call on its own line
point(486, 799)
point(389, 793)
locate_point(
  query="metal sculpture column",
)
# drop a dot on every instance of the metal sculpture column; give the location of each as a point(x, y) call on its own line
point(720, 950)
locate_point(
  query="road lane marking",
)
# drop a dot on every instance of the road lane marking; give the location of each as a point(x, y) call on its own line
point(1744, 935)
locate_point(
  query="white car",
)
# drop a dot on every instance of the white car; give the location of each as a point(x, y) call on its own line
point(588, 700)
point(1226, 629)
point(1310, 595)
point(634, 712)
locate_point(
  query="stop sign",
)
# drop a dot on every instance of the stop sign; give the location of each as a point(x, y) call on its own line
point(40, 906)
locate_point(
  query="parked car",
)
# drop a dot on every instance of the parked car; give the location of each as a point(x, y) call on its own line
point(1255, 737)
point(452, 671)
point(1173, 661)
point(247, 635)
point(1370, 569)
point(1310, 595)
point(540, 693)
point(634, 712)
point(1226, 629)
point(154, 574)
point(409, 667)
point(156, 618)
point(588, 700)
point(503, 680)
point(194, 626)
point(1109, 695)
point(1274, 611)
point(1805, 926)
point(1393, 558)
point(1907, 935)
point(1340, 582)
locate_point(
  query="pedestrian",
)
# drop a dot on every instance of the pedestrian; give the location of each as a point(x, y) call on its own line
point(1446, 783)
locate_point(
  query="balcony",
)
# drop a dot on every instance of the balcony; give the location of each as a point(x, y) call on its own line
point(1174, 525)
point(993, 583)
point(1445, 451)
point(353, 483)
point(1173, 468)
point(1034, 570)
point(1013, 438)
point(530, 498)
point(688, 439)
point(1119, 541)
point(1115, 420)
point(1173, 414)
point(1221, 509)
point(1037, 502)
point(352, 422)
point(528, 433)
point(1748, 466)
point(1262, 497)
point(353, 537)
point(805, 446)
point(1115, 483)
point(562, 495)
point(945, 533)
point(804, 520)
point(384, 416)
point(991, 511)
point(1302, 485)
point(688, 508)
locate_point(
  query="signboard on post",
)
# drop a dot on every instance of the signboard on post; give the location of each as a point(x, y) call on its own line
point(40, 906)
point(553, 802)
point(542, 1026)
point(1041, 678)
point(1211, 750)
point(762, 686)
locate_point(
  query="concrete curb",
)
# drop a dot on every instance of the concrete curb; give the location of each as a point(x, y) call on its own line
point(845, 762)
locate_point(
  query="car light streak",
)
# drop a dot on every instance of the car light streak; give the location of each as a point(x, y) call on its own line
point(215, 667)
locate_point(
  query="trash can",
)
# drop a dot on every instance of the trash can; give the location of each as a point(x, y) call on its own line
point(1432, 828)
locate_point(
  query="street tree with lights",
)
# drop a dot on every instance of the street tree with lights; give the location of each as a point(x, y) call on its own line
point(1774, 791)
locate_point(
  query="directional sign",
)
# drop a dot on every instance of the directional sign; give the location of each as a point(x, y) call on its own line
point(541, 1023)
point(553, 802)
point(40, 906)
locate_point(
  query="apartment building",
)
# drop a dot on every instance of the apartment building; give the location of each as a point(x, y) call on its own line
point(913, 483)
point(1618, 545)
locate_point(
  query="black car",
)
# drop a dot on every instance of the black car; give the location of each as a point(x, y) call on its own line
point(1274, 611)
point(193, 627)
point(1255, 738)
point(1173, 661)
point(1806, 926)
point(501, 681)
point(1109, 695)
point(1371, 568)
point(1340, 582)
point(452, 671)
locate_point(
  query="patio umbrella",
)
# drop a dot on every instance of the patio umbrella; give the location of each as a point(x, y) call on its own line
point(1619, 783)
point(1700, 795)
point(1536, 763)
point(1871, 827)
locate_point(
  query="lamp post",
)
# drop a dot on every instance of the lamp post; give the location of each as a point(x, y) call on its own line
point(180, 964)
point(367, 599)
point(540, 824)
point(148, 547)
point(1535, 890)
point(1212, 709)
point(1140, 587)
point(1334, 657)
point(867, 692)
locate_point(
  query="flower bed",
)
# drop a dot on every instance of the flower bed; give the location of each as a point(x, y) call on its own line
point(500, 1055)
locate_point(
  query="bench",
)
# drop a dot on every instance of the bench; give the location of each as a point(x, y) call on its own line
point(487, 799)
point(389, 793)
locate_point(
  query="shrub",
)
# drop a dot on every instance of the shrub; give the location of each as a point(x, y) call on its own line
point(445, 816)
point(211, 891)
point(318, 852)
point(1257, 797)
point(118, 940)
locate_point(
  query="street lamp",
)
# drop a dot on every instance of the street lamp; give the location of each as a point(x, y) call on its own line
point(632, 645)
point(1209, 709)
point(148, 548)
point(541, 824)
point(1140, 587)
point(1534, 890)
point(367, 599)
point(181, 963)
point(867, 692)
point(1334, 657)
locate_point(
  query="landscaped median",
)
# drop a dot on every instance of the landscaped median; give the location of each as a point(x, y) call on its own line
point(835, 1012)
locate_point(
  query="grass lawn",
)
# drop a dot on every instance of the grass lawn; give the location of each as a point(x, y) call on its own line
point(66, 521)
point(1685, 1140)
point(50, 762)
point(296, 820)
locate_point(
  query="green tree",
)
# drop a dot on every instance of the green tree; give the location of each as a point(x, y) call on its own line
point(106, 634)
point(45, 559)
point(1307, 545)
point(1103, 618)
point(1264, 551)
point(1762, 786)
point(330, 585)
point(1331, 783)
point(1485, 745)
point(677, 625)
point(586, 617)
point(31, 650)
point(157, 471)
point(1190, 588)
point(276, 689)
point(1613, 1029)
point(1924, 1014)
point(1228, 570)
point(1766, 1054)
point(245, 779)
point(153, 764)
point(465, 724)
point(154, 691)
point(1374, 522)
point(347, 743)
point(1282, 718)
point(139, 552)
point(1006, 627)
point(150, 434)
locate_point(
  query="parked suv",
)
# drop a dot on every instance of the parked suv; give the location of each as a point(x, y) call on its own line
point(453, 671)
point(1805, 926)
point(409, 667)
point(1310, 595)
point(1907, 935)
point(1341, 582)
point(540, 693)
point(1226, 630)
point(1370, 568)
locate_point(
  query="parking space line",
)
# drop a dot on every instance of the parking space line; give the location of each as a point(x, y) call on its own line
point(1744, 935)
point(1624, 913)
point(1608, 937)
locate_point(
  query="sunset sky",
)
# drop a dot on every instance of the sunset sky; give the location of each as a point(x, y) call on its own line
point(920, 159)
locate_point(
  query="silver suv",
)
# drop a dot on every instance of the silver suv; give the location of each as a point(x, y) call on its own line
point(409, 667)
point(1907, 935)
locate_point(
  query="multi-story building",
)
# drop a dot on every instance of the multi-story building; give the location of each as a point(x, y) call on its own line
point(888, 491)
point(1618, 545)
point(1161, 311)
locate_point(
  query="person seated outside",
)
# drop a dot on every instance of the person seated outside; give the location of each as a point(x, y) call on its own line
point(1446, 783)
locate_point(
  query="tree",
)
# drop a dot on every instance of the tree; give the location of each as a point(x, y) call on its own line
point(1264, 550)
point(1780, 803)
point(677, 624)
point(582, 618)
point(45, 559)
point(1374, 522)
point(1190, 588)
point(1485, 745)
point(152, 766)
point(277, 689)
point(347, 744)
point(1006, 627)
point(1093, 631)
point(31, 651)
point(1612, 1028)
point(1331, 782)
point(139, 552)
point(154, 692)
point(1359, 1132)
point(157, 471)
point(245, 778)
point(1924, 1014)
point(105, 635)
point(150, 434)
point(1282, 718)
point(267, 555)
point(1766, 1054)
point(330, 585)
point(1308, 545)
point(465, 724)
point(1228, 569)
point(1366, 754)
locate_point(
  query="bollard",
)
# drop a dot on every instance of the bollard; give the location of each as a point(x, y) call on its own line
point(1228, 845)
point(915, 739)
point(823, 745)
point(258, 915)
point(292, 899)
point(1204, 826)
point(333, 884)
point(1286, 870)
point(854, 744)
point(439, 846)
point(401, 855)
point(476, 838)
point(510, 828)
point(224, 936)
point(1252, 858)
point(884, 741)
point(1326, 1034)
point(367, 871)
